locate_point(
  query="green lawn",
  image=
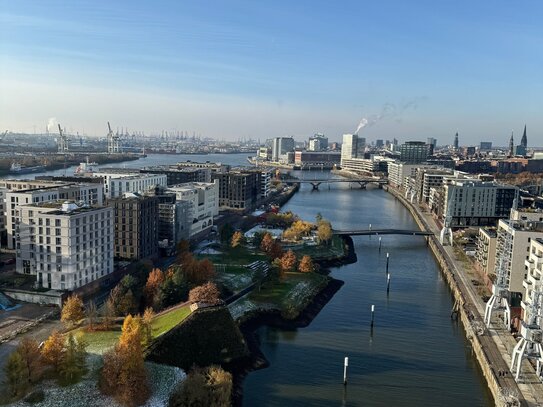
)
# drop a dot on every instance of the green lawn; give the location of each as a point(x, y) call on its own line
point(334, 249)
point(293, 290)
point(236, 256)
point(163, 323)
point(101, 341)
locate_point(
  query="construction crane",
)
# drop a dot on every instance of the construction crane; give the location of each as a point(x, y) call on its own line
point(3, 135)
point(62, 141)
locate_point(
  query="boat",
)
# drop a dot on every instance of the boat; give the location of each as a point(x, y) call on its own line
point(85, 168)
point(17, 168)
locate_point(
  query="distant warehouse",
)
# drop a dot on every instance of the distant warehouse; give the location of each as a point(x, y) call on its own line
point(320, 159)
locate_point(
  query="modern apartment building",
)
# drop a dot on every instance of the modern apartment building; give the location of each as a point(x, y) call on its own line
point(89, 193)
point(176, 176)
point(532, 282)
point(136, 226)
point(485, 254)
point(118, 183)
point(237, 189)
point(281, 146)
point(413, 152)
point(521, 233)
point(65, 244)
point(473, 202)
point(318, 142)
point(203, 199)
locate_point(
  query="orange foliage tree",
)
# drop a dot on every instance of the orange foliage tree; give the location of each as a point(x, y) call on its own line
point(123, 375)
point(52, 349)
point(306, 265)
point(288, 261)
point(152, 286)
point(207, 293)
point(73, 310)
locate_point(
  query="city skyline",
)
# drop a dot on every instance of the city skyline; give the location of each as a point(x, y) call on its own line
point(245, 70)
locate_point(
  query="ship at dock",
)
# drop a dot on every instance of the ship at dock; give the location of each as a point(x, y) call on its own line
point(17, 168)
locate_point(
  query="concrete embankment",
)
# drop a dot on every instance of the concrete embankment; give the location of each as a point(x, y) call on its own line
point(484, 348)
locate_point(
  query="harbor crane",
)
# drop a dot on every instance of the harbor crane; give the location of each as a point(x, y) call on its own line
point(530, 344)
point(499, 301)
point(62, 141)
point(501, 297)
point(446, 235)
point(112, 141)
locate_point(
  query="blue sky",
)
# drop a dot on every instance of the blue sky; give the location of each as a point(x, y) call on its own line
point(230, 69)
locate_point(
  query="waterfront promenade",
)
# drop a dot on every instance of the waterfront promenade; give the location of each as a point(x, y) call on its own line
point(496, 342)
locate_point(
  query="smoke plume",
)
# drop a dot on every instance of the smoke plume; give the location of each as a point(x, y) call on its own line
point(51, 124)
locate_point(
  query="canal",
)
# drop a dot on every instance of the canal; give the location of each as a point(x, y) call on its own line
point(415, 356)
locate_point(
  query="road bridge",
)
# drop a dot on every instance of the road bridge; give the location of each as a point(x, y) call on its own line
point(376, 232)
point(363, 181)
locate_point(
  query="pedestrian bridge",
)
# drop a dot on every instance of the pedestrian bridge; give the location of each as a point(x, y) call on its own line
point(362, 181)
point(376, 232)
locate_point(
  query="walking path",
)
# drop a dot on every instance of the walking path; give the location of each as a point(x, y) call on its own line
point(498, 343)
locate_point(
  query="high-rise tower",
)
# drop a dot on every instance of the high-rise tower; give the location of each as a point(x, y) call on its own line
point(524, 139)
point(456, 141)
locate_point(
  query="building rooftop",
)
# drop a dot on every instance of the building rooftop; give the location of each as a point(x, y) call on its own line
point(65, 207)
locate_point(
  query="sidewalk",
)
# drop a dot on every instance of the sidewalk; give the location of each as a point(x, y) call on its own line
point(529, 385)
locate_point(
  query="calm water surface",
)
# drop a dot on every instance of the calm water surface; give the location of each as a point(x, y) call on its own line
point(416, 355)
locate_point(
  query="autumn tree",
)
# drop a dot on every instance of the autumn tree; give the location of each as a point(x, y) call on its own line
point(288, 261)
point(52, 349)
point(152, 287)
point(266, 243)
point(108, 314)
point(237, 239)
point(123, 373)
point(16, 373)
point(91, 314)
point(324, 232)
point(30, 352)
point(306, 265)
point(226, 232)
point(72, 311)
point(73, 362)
point(207, 293)
point(210, 387)
point(146, 322)
point(197, 272)
point(276, 251)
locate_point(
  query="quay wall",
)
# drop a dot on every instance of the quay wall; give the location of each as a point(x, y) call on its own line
point(465, 309)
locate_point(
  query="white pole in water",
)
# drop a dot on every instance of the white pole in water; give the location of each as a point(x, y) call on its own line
point(372, 314)
point(370, 227)
point(345, 364)
point(379, 243)
point(388, 283)
point(387, 262)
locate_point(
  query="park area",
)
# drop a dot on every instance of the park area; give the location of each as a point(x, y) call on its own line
point(99, 342)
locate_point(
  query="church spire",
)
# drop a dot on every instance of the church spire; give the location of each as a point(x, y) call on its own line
point(511, 146)
point(524, 139)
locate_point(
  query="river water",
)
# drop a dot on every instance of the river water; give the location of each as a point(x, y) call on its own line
point(416, 355)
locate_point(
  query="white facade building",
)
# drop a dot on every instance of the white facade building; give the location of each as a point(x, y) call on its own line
point(64, 244)
point(352, 147)
point(116, 183)
point(88, 193)
point(204, 204)
point(472, 202)
point(281, 146)
point(521, 233)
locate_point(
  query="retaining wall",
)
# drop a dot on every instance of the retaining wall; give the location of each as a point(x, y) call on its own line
point(466, 309)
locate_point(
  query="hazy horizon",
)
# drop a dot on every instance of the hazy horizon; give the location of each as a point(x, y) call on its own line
point(242, 69)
